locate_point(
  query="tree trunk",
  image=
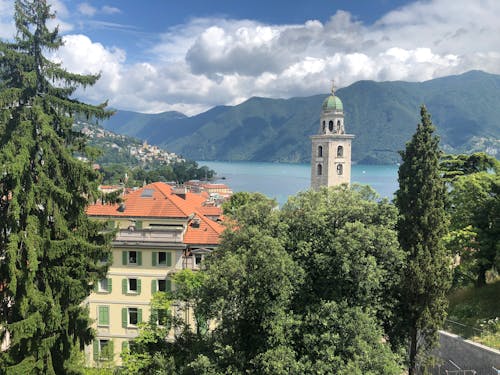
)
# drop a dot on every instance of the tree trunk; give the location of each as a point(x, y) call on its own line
point(412, 366)
point(481, 277)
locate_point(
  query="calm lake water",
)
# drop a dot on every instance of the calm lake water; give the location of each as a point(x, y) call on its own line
point(280, 180)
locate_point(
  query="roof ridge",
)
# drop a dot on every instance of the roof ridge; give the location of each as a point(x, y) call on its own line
point(210, 222)
point(174, 201)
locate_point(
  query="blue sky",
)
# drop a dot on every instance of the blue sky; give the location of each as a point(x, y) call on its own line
point(192, 55)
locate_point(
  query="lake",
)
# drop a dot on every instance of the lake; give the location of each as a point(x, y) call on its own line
point(280, 180)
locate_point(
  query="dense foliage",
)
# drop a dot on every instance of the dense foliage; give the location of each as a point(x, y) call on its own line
point(380, 114)
point(308, 289)
point(422, 226)
point(473, 183)
point(180, 172)
point(50, 252)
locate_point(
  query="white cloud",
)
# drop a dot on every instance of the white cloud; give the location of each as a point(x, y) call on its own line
point(106, 9)
point(86, 9)
point(214, 61)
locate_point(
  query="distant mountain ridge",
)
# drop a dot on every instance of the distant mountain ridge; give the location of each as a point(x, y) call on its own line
point(383, 115)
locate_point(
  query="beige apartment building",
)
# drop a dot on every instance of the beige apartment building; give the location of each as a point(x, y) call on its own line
point(160, 230)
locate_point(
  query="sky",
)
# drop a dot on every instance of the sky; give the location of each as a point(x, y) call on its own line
point(191, 55)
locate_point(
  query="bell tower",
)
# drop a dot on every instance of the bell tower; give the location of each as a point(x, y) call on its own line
point(331, 147)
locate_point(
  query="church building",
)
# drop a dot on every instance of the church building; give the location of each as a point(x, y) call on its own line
point(331, 147)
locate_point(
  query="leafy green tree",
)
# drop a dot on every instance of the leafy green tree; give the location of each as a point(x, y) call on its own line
point(345, 240)
point(453, 166)
point(50, 251)
point(421, 227)
point(340, 339)
point(249, 287)
point(475, 209)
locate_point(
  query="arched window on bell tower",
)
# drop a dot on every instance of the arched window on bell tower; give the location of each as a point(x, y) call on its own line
point(330, 125)
point(324, 126)
point(340, 169)
point(340, 152)
point(319, 170)
point(320, 151)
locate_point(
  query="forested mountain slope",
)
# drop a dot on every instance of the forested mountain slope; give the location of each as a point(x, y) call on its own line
point(382, 115)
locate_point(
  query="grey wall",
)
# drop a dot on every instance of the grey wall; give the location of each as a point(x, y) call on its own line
point(465, 354)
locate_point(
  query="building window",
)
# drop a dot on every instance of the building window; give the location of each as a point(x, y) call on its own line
point(198, 259)
point(104, 286)
point(320, 170)
point(340, 152)
point(320, 151)
point(340, 169)
point(162, 258)
point(161, 285)
point(339, 127)
point(131, 286)
point(103, 350)
point(330, 126)
point(131, 316)
point(103, 315)
point(132, 258)
point(324, 126)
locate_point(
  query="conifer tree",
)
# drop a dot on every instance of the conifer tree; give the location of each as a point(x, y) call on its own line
point(421, 227)
point(50, 252)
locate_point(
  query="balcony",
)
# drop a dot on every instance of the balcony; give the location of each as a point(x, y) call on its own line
point(173, 235)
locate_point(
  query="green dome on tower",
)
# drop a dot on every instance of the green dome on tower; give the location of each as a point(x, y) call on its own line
point(332, 103)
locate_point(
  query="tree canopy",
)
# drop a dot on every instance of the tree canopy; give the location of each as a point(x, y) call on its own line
point(306, 289)
point(50, 252)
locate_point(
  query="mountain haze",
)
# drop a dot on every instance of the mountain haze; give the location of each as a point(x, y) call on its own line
point(382, 115)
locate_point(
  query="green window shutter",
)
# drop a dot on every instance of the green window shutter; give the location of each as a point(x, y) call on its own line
point(153, 259)
point(110, 285)
point(169, 258)
point(124, 346)
point(103, 312)
point(154, 316)
point(139, 258)
point(124, 258)
point(138, 286)
point(96, 350)
point(124, 317)
point(153, 286)
point(139, 315)
point(111, 350)
point(168, 284)
point(124, 286)
point(138, 224)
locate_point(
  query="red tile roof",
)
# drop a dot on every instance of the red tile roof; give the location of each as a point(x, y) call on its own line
point(157, 200)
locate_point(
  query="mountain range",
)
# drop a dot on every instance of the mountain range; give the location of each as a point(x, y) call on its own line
point(383, 115)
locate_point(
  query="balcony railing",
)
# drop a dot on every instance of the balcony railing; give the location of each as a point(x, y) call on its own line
point(150, 235)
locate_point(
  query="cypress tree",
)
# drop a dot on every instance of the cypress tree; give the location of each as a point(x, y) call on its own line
point(421, 227)
point(50, 252)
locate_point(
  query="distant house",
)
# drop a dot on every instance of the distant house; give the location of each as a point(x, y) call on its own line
point(160, 230)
